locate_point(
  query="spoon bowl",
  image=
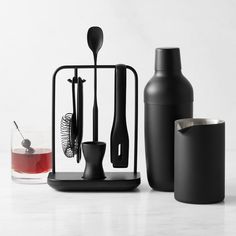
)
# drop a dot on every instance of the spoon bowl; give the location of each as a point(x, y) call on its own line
point(95, 39)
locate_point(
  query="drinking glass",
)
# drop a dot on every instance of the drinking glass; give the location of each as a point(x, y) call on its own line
point(30, 160)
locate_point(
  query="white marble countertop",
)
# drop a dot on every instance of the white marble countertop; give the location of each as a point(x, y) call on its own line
point(40, 210)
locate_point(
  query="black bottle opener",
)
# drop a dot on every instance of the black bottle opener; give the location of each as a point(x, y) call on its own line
point(119, 134)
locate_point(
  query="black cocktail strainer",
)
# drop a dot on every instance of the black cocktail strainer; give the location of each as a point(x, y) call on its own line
point(68, 128)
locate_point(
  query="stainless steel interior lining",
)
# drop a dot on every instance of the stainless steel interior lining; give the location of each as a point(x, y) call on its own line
point(189, 122)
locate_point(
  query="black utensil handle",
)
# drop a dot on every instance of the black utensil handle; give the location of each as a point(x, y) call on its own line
point(79, 116)
point(73, 130)
point(119, 134)
point(120, 93)
point(95, 105)
point(73, 94)
point(80, 111)
point(95, 122)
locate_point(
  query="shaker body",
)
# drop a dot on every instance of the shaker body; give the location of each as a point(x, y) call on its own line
point(167, 96)
point(159, 142)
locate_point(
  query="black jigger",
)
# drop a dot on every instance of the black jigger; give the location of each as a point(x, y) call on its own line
point(93, 154)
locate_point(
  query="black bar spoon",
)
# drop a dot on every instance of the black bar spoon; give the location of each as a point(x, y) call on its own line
point(95, 41)
point(94, 151)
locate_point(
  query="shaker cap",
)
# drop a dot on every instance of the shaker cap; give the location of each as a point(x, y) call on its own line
point(168, 85)
point(167, 59)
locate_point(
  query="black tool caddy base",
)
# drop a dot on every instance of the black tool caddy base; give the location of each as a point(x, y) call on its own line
point(114, 181)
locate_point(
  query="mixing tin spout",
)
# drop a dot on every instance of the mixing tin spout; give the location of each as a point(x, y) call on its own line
point(185, 124)
point(182, 129)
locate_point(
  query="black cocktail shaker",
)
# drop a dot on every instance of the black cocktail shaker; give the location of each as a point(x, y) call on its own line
point(168, 96)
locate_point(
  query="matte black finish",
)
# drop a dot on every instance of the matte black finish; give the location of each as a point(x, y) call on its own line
point(79, 116)
point(68, 127)
point(200, 164)
point(121, 181)
point(93, 154)
point(119, 135)
point(95, 41)
point(114, 181)
point(159, 141)
point(167, 59)
point(168, 96)
point(73, 131)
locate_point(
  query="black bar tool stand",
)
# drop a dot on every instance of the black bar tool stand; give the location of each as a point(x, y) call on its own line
point(114, 181)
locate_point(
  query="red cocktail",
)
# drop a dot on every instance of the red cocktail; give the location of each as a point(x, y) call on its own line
point(31, 163)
